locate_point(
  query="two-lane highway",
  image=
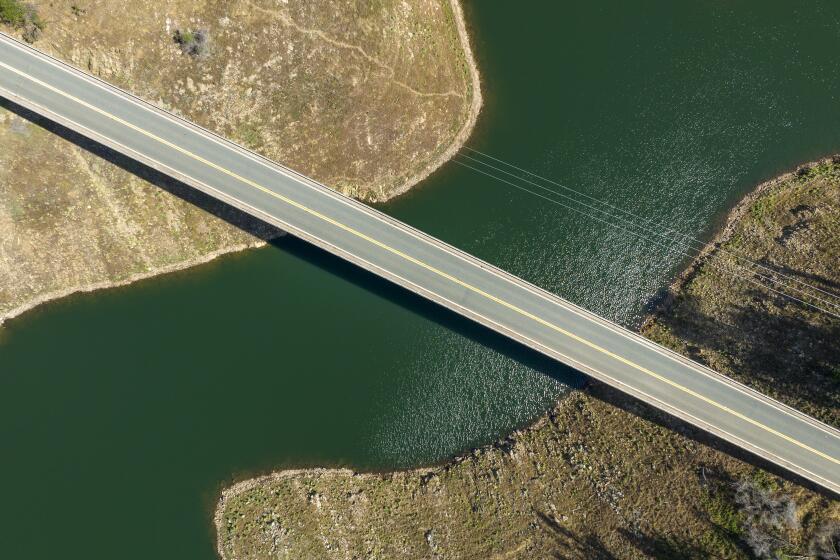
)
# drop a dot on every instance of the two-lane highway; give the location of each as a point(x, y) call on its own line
point(420, 263)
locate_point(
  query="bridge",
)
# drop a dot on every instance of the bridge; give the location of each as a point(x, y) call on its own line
point(420, 263)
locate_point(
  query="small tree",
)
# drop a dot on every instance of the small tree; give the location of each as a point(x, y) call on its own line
point(194, 43)
point(768, 516)
point(33, 25)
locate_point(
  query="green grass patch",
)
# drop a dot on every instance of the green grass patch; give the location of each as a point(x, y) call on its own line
point(728, 526)
point(12, 12)
point(22, 16)
point(250, 136)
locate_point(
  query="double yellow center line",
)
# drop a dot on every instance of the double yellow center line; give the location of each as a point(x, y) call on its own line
point(422, 264)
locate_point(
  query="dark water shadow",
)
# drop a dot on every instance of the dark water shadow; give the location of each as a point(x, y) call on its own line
point(396, 294)
point(429, 310)
point(313, 255)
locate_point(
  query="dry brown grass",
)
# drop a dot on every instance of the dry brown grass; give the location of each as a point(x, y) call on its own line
point(721, 314)
point(601, 475)
point(366, 97)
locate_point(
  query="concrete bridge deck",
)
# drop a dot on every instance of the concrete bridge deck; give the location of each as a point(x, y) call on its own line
point(418, 262)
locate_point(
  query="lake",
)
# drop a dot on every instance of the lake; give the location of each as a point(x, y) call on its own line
point(123, 412)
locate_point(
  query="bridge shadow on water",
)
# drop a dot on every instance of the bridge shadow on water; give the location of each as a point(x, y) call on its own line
point(398, 295)
point(303, 250)
point(429, 310)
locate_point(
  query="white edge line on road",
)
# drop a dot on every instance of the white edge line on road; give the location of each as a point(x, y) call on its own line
point(389, 249)
point(436, 297)
point(421, 236)
point(706, 399)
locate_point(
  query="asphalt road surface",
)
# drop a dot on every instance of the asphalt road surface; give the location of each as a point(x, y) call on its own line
point(421, 263)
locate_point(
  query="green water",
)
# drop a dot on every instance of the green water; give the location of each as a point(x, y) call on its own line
point(123, 412)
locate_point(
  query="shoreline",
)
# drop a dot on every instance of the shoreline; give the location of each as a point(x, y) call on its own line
point(236, 488)
point(722, 235)
point(724, 232)
point(472, 116)
point(458, 142)
point(131, 279)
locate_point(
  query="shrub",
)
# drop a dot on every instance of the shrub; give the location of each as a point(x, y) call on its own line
point(22, 16)
point(767, 517)
point(194, 43)
point(826, 542)
point(33, 25)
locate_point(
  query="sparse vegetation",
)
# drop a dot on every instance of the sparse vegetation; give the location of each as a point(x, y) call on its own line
point(249, 135)
point(342, 120)
point(826, 542)
point(194, 43)
point(775, 344)
point(601, 476)
point(22, 16)
point(11, 12)
point(726, 523)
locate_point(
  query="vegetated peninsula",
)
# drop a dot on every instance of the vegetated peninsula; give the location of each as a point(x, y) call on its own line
point(366, 97)
point(601, 475)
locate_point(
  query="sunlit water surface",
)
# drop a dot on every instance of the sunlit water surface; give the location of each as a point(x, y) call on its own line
point(123, 412)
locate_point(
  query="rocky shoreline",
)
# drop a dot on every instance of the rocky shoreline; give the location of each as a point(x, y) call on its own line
point(728, 314)
point(87, 288)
